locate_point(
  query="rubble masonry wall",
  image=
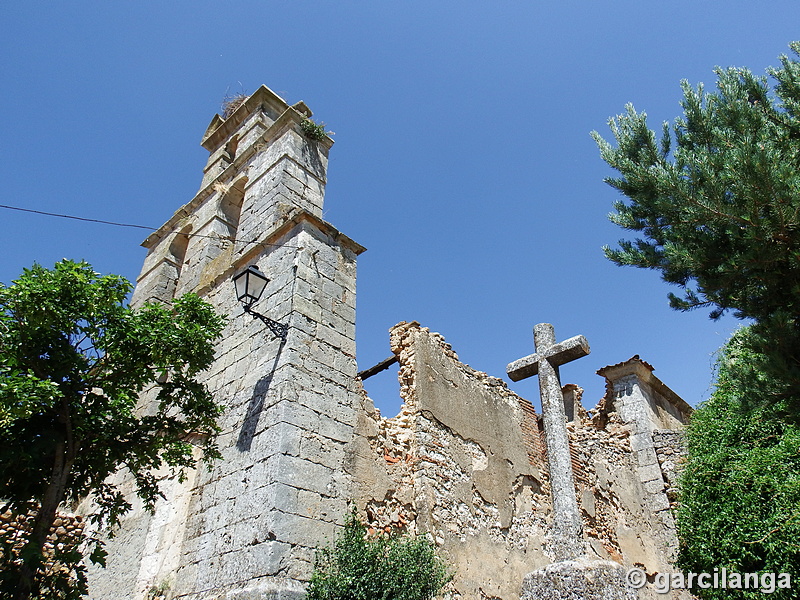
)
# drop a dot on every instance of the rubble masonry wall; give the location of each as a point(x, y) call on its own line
point(463, 462)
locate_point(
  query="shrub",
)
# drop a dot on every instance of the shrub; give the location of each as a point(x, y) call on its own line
point(740, 491)
point(313, 131)
point(379, 567)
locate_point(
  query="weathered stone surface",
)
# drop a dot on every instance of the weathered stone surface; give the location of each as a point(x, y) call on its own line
point(567, 531)
point(578, 580)
point(247, 527)
point(464, 462)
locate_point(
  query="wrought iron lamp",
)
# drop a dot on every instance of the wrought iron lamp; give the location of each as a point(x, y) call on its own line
point(249, 285)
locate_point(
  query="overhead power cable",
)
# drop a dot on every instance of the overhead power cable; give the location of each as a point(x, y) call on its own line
point(102, 222)
point(49, 214)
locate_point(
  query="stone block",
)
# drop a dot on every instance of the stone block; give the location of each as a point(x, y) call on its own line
point(346, 365)
point(323, 508)
point(667, 518)
point(333, 338)
point(303, 474)
point(344, 310)
point(326, 373)
point(294, 413)
point(335, 430)
point(304, 324)
point(655, 486)
point(659, 502)
point(645, 457)
point(580, 579)
point(330, 319)
point(308, 308)
point(275, 438)
point(322, 450)
point(260, 559)
point(325, 268)
point(324, 354)
point(641, 441)
point(649, 473)
point(333, 290)
point(296, 530)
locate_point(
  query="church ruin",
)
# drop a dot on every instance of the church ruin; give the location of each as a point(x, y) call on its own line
point(464, 462)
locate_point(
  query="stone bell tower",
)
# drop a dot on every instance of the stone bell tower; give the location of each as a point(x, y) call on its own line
point(247, 527)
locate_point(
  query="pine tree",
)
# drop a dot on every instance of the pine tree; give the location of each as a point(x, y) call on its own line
point(740, 489)
point(715, 201)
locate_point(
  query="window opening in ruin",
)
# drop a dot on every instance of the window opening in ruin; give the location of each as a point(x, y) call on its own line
point(383, 388)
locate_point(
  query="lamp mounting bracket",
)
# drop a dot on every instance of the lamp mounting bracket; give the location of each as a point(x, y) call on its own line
point(279, 329)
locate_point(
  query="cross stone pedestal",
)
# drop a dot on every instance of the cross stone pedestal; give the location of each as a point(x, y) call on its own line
point(574, 576)
point(579, 579)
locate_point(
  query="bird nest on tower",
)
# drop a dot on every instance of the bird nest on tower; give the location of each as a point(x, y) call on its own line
point(231, 102)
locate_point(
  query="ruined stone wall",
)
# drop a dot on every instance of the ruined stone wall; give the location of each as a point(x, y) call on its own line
point(671, 452)
point(455, 464)
point(464, 463)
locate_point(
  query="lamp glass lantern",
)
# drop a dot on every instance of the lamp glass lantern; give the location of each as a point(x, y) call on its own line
point(250, 284)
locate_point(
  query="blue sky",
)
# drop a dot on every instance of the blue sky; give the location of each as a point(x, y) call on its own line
point(463, 160)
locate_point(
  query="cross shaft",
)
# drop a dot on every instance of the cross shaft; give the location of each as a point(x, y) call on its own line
point(567, 529)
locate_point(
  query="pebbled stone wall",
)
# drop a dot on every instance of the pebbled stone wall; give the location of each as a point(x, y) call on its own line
point(66, 533)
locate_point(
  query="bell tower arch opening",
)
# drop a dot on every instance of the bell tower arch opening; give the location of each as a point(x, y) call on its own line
point(230, 206)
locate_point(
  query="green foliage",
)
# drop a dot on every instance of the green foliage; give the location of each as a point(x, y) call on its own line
point(313, 131)
point(717, 202)
point(73, 363)
point(381, 567)
point(740, 489)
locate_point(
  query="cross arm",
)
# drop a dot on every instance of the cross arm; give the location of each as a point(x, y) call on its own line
point(557, 354)
point(524, 367)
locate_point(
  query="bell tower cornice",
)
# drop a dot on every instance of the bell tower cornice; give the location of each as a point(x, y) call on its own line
point(264, 102)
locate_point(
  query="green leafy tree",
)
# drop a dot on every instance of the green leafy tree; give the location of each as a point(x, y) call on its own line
point(740, 489)
point(716, 203)
point(73, 363)
point(361, 567)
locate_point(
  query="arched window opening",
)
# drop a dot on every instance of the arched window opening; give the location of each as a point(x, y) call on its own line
point(231, 147)
point(177, 253)
point(230, 206)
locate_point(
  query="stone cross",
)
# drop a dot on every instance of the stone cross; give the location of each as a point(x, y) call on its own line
point(567, 531)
